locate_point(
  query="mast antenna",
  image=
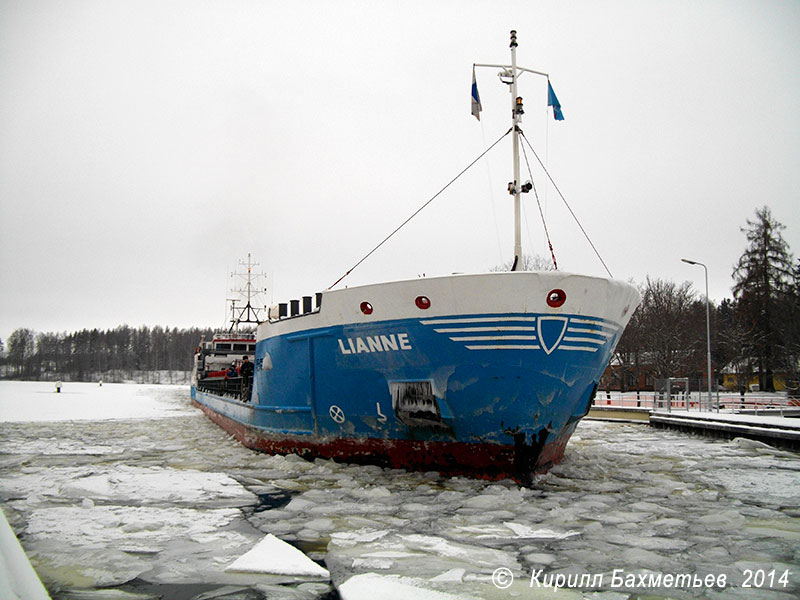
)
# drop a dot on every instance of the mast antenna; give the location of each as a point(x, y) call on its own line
point(253, 311)
point(514, 187)
point(509, 75)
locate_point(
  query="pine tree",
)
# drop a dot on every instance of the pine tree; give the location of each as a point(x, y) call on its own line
point(792, 342)
point(21, 347)
point(763, 278)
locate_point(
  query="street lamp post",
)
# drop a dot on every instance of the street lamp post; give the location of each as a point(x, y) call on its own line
point(708, 328)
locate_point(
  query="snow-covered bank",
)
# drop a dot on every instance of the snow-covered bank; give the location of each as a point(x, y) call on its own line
point(29, 401)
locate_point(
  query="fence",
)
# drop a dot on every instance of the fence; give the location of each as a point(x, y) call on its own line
point(679, 399)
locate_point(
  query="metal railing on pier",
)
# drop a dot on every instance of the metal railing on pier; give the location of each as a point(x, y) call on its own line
point(751, 403)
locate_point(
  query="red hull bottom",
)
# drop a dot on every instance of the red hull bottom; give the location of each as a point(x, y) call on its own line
point(482, 461)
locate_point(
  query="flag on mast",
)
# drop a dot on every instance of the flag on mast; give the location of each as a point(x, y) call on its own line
point(553, 101)
point(476, 99)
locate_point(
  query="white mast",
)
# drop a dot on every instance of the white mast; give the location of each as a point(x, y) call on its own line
point(514, 187)
point(509, 76)
point(247, 313)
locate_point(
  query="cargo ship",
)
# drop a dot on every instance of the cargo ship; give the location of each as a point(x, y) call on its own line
point(482, 374)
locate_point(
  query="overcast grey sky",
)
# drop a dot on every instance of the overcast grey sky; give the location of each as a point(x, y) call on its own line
point(145, 147)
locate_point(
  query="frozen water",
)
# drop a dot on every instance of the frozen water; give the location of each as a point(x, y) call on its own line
point(275, 556)
point(120, 483)
point(147, 497)
point(370, 585)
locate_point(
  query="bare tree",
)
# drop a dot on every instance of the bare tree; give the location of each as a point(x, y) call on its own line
point(630, 352)
point(738, 339)
point(670, 319)
point(530, 262)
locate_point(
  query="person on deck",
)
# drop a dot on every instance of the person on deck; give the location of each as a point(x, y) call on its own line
point(246, 368)
point(246, 371)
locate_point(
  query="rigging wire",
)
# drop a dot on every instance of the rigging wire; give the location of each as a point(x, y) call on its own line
point(419, 210)
point(491, 197)
point(586, 235)
point(546, 153)
point(527, 229)
point(539, 204)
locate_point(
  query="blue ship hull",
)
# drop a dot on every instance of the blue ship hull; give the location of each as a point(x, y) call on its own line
point(485, 374)
point(493, 394)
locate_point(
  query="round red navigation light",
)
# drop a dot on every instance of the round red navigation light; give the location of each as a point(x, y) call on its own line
point(556, 298)
point(366, 308)
point(423, 302)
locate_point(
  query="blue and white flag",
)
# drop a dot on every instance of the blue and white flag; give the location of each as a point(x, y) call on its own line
point(476, 99)
point(553, 101)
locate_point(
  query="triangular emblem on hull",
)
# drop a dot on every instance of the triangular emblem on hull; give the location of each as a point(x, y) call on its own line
point(551, 331)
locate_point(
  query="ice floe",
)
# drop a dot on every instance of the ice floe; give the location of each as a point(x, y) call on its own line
point(123, 483)
point(370, 586)
point(274, 556)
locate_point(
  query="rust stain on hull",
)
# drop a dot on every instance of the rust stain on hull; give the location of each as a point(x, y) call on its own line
point(519, 462)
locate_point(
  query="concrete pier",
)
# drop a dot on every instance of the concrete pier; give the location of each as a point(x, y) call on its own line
point(619, 413)
point(774, 430)
point(777, 427)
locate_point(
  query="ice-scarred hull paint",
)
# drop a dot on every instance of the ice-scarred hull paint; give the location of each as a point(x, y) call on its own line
point(486, 461)
point(487, 379)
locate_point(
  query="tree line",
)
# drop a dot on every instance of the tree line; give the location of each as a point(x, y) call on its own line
point(756, 333)
point(125, 353)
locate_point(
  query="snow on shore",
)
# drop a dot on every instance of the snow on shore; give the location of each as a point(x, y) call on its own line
point(26, 401)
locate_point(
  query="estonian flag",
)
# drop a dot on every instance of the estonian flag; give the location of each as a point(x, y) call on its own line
point(476, 99)
point(553, 101)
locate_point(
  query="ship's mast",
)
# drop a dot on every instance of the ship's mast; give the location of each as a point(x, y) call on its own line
point(509, 76)
point(247, 313)
point(514, 187)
